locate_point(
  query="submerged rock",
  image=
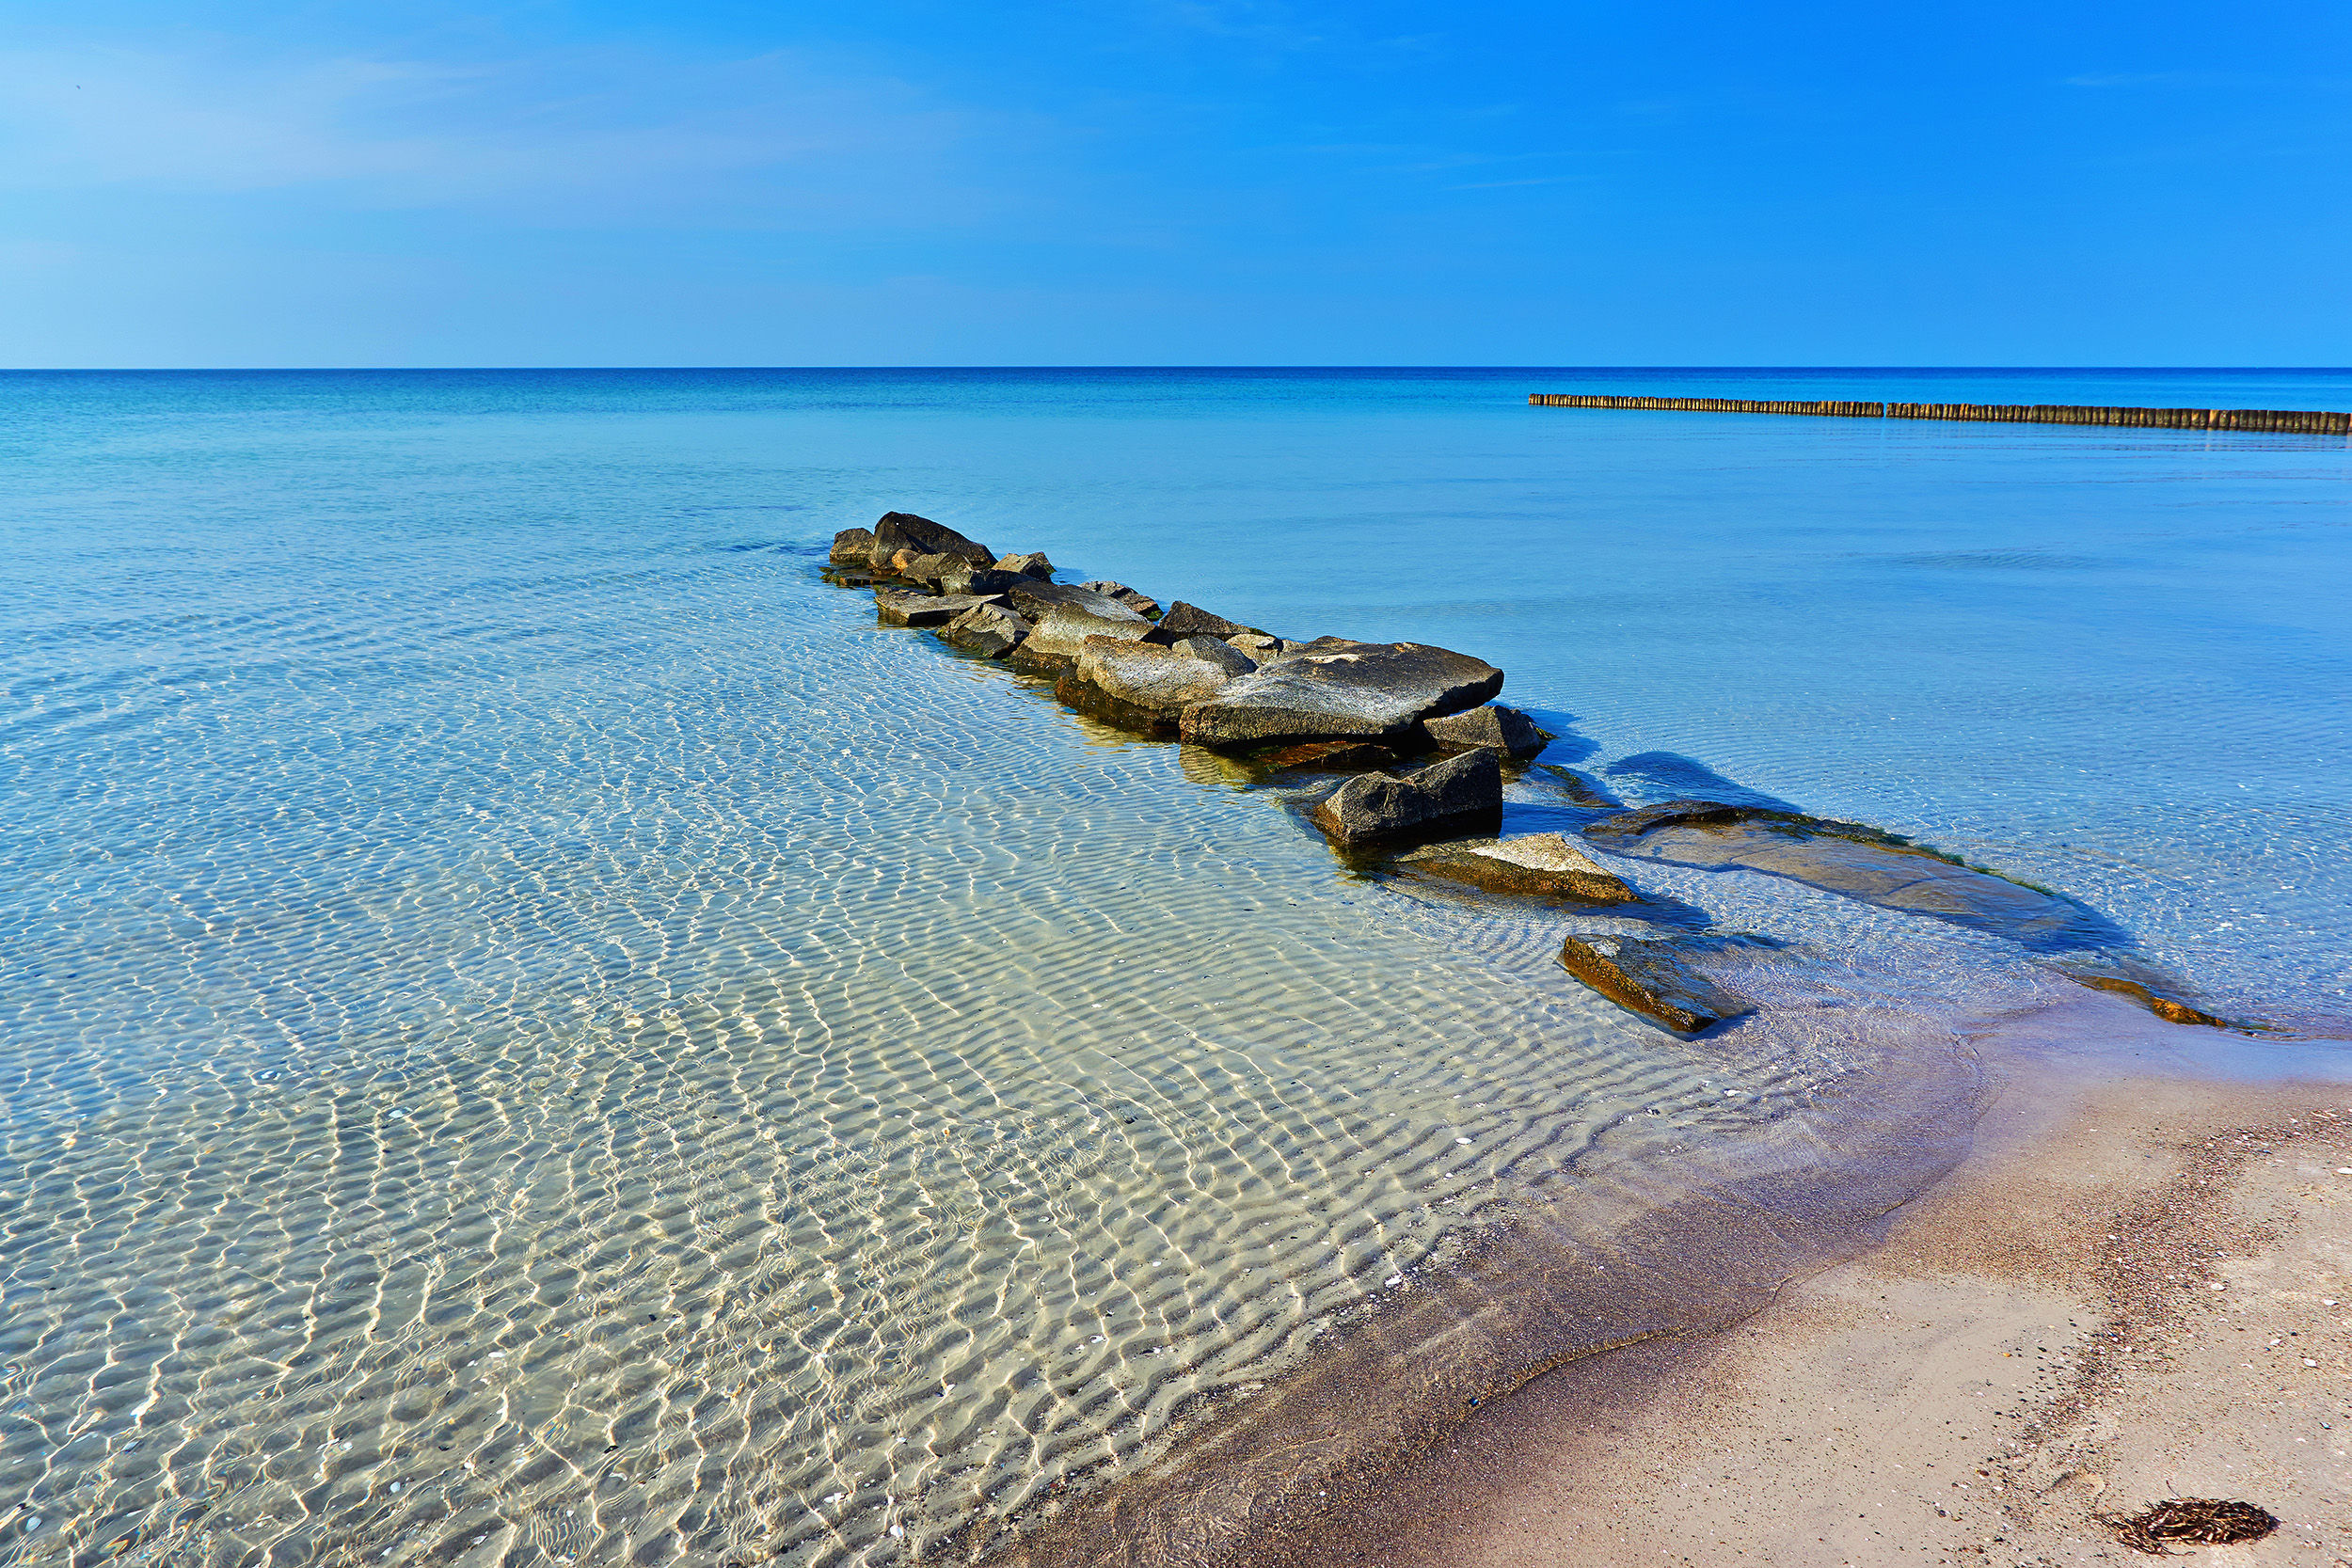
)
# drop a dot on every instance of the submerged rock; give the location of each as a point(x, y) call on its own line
point(1857, 861)
point(1142, 603)
point(1581, 790)
point(992, 630)
point(1446, 796)
point(1494, 728)
point(1336, 689)
point(2152, 987)
point(852, 547)
point(1541, 865)
point(925, 609)
point(1032, 565)
point(1060, 635)
point(904, 531)
point(1142, 685)
point(1190, 620)
point(1651, 978)
point(1327, 756)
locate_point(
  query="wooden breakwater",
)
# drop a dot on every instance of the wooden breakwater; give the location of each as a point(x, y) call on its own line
point(2297, 422)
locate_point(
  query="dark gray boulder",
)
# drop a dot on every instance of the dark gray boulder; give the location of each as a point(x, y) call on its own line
point(964, 578)
point(1494, 728)
point(1654, 978)
point(925, 609)
point(904, 531)
point(1034, 597)
point(1032, 565)
point(1144, 685)
point(1142, 603)
point(1061, 633)
point(1334, 690)
point(991, 630)
point(1453, 796)
point(852, 547)
point(1190, 620)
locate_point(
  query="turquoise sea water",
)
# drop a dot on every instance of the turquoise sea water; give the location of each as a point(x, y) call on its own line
point(533, 1027)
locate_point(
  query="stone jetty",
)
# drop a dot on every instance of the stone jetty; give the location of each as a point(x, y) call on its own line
point(1416, 750)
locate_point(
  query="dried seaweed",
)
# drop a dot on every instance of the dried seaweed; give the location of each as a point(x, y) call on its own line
point(2191, 1522)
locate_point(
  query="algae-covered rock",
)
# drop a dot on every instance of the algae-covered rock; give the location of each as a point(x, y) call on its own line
point(1446, 796)
point(1653, 977)
point(1537, 865)
point(852, 547)
point(1334, 690)
point(1326, 756)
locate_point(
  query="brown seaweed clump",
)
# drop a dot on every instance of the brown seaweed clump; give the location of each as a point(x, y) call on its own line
point(2189, 1522)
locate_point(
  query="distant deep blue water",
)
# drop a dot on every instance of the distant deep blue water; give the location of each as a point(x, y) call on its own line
point(507, 968)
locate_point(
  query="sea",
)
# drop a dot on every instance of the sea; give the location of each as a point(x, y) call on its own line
point(535, 1031)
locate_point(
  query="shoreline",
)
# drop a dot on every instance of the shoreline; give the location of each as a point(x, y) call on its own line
point(2136, 1286)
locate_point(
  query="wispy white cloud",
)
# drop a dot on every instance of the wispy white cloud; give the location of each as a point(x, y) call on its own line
point(589, 135)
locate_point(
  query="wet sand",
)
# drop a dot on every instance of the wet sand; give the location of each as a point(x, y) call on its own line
point(2130, 1290)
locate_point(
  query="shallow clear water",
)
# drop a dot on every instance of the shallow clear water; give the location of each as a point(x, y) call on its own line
point(535, 1028)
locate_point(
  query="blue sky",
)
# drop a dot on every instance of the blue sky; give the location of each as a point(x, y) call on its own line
point(1174, 182)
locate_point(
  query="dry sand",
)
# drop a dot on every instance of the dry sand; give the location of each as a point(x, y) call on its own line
point(2130, 1291)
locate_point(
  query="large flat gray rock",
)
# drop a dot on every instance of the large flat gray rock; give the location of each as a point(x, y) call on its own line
point(926, 609)
point(1535, 865)
point(1145, 686)
point(1061, 634)
point(1336, 689)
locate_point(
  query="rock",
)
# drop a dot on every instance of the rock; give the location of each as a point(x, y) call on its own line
point(2152, 987)
point(1542, 865)
point(1060, 635)
point(992, 630)
point(1334, 690)
point(1142, 603)
point(964, 578)
point(1327, 756)
point(1215, 651)
point(932, 569)
point(1445, 795)
point(1033, 564)
point(904, 531)
point(1259, 645)
point(1860, 862)
point(852, 547)
point(925, 609)
point(1190, 620)
point(1140, 685)
point(1033, 597)
point(1495, 728)
point(1650, 978)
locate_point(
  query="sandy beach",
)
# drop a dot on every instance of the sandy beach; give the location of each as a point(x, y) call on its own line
point(2131, 1290)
